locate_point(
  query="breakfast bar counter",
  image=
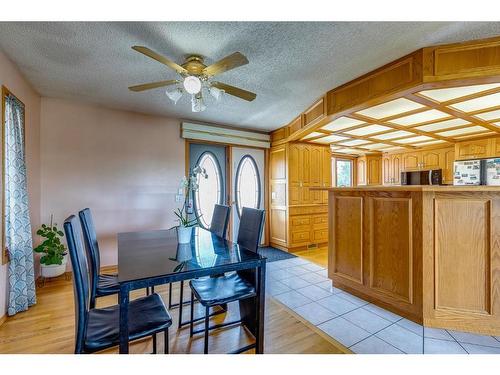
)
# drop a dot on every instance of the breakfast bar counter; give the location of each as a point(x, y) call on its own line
point(428, 253)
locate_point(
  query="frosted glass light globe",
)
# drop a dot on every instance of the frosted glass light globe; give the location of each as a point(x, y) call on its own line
point(192, 84)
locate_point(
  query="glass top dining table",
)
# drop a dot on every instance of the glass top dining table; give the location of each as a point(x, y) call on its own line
point(152, 258)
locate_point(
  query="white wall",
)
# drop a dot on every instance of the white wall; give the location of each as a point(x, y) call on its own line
point(125, 166)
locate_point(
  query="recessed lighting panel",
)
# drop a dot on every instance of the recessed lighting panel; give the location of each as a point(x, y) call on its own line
point(342, 123)
point(370, 129)
point(492, 115)
point(420, 138)
point(394, 107)
point(430, 115)
point(348, 151)
point(392, 135)
point(463, 131)
point(330, 139)
point(312, 135)
point(355, 142)
point(428, 143)
point(442, 125)
point(443, 95)
point(477, 104)
point(376, 146)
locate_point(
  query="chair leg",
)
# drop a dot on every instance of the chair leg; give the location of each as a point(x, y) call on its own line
point(207, 319)
point(170, 296)
point(191, 322)
point(180, 304)
point(154, 343)
point(165, 349)
point(152, 289)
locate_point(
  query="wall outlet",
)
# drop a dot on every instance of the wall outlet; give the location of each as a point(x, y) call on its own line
point(179, 198)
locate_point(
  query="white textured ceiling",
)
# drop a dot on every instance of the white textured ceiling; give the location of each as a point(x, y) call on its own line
point(291, 63)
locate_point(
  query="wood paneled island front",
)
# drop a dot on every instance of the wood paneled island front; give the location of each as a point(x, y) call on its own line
point(428, 253)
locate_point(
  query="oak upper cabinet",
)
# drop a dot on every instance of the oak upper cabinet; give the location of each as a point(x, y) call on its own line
point(361, 170)
point(369, 170)
point(475, 149)
point(447, 159)
point(386, 170)
point(495, 147)
point(396, 161)
point(431, 159)
point(412, 161)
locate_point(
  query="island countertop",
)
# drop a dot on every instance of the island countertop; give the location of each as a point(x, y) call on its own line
point(437, 188)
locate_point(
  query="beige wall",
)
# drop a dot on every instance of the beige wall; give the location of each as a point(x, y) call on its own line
point(11, 78)
point(125, 166)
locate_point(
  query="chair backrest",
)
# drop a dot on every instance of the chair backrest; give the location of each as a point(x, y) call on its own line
point(250, 231)
point(80, 280)
point(220, 218)
point(92, 248)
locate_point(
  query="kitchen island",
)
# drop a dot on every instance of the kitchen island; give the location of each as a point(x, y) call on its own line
point(428, 253)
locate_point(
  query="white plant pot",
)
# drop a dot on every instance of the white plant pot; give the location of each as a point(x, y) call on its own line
point(54, 270)
point(184, 234)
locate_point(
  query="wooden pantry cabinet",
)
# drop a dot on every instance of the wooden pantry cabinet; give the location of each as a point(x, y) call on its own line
point(298, 214)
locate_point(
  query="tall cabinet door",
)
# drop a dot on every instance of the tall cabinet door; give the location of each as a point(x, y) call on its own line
point(396, 169)
point(294, 173)
point(305, 169)
point(316, 172)
point(326, 174)
point(387, 170)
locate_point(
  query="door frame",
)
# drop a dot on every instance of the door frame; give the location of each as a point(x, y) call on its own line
point(229, 192)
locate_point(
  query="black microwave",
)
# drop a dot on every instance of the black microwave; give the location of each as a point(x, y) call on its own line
point(428, 177)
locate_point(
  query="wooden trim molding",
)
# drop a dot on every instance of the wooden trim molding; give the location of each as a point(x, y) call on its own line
point(3, 319)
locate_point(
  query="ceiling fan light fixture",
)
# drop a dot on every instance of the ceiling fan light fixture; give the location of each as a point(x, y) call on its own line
point(197, 104)
point(216, 93)
point(192, 84)
point(174, 95)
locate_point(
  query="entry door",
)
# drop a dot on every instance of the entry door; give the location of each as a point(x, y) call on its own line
point(212, 190)
point(247, 177)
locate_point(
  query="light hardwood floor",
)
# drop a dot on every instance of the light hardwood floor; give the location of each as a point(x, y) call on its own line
point(318, 256)
point(48, 327)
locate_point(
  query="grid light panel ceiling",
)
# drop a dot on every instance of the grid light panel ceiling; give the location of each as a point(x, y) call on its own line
point(424, 125)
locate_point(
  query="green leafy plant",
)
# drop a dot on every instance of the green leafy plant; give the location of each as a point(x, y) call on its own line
point(52, 248)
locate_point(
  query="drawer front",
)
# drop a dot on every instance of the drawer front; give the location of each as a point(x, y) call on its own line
point(307, 210)
point(300, 223)
point(300, 236)
point(320, 222)
point(320, 235)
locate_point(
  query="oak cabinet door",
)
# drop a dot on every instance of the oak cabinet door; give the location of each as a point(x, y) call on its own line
point(475, 149)
point(431, 159)
point(396, 169)
point(361, 171)
point(387, 170)
point(411, 161)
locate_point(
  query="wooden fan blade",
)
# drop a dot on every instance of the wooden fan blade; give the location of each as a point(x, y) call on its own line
point(235, 91)
point(150, 53)
point(153, 85)
point(227, 63)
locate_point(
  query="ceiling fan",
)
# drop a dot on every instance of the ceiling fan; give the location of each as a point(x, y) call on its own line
point(196, 77)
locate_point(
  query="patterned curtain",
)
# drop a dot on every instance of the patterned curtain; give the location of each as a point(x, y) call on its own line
point(17, 218)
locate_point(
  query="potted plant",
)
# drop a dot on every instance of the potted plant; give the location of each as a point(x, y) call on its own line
point(186, 224)
point(53, 261)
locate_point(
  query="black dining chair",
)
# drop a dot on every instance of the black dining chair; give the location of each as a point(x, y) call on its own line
point(98, 329)
point(218, 226)
point(100, 284)
point(215, 291)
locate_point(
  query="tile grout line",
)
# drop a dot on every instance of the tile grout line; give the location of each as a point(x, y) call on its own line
point(458, 342)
